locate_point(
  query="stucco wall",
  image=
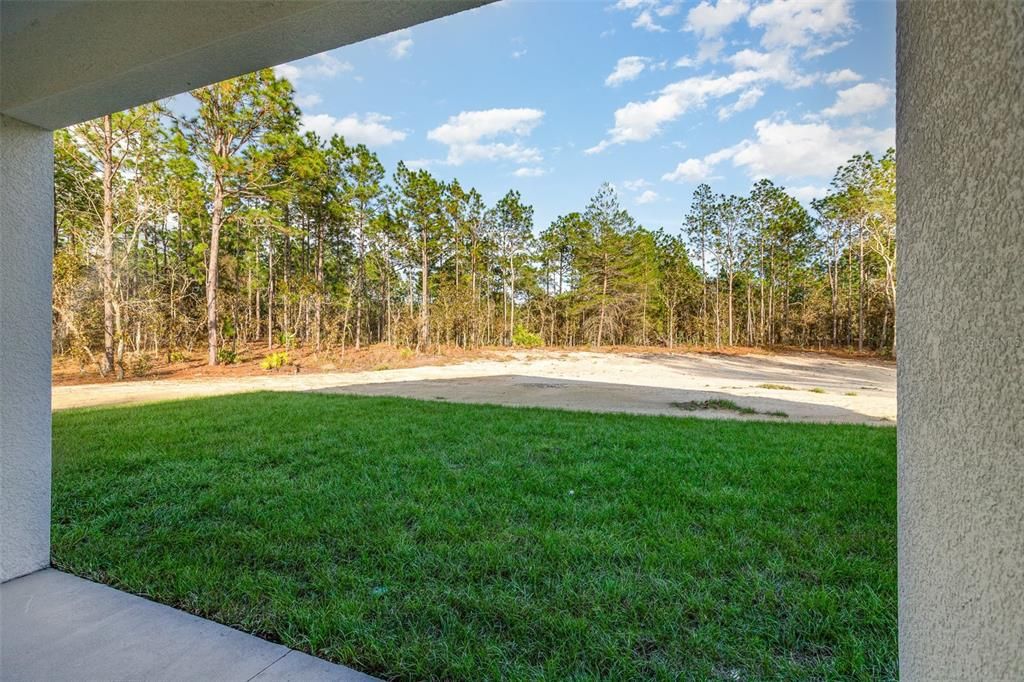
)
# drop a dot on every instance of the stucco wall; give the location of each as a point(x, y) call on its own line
point(960, 331)
point(26, 229)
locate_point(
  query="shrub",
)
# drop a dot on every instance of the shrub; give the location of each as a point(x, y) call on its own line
point(286, 339)
point(140, 364)
point(275, 360)
point(524, 338)
point(227, 356)
point(179, 356)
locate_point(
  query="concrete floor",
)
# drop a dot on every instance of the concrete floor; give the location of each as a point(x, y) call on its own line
point(55, 626)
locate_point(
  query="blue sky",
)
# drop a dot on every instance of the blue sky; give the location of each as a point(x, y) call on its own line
point(654, 96)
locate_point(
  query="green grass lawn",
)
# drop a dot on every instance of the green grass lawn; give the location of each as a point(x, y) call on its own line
point(426, 540)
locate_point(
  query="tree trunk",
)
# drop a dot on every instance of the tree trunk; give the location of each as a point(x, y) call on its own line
point(318, 310)
point(833, 280)
point(512, 301)
point(761, 336)
point(270, 293)
point(704, 292)
point(424, 335)
point(750, 316)
point(849, 295)
point(360, 279)
point(718, 312)
point(249, 313)
point(643, 316)
point(212, 266)
point(604, 296)
point(771, 297)
point(860, 294)
point(108, 247)
point(387, 304)
point(730, 307)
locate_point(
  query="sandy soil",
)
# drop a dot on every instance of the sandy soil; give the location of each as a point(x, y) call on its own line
point(817, 388)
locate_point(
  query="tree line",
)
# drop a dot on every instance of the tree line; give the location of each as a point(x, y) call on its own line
point(229, 226)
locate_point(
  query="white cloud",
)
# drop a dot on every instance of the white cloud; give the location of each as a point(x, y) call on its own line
point(708, 50)
point(806, 193)
point(710, 20)
point(825, 48)
point(647, 197)
point(783, 149)
point(493, 151)
point(318, 66)
point(772, 66)
point(714, 158)
point(529, 172)
point(465, 133)
point(401, 48)
point(646, 10)
point(327, 66)
point(632, 4)
point(700, 170)
point(800, 23)
point(842, 76)
point(417, 164)
point(370, 129)
point(399, 43)
point(288, 71)
point(626, 69)
point(516, 54)
point(746, 100)
point(635, 185)
point(645, 21)
point(787, 149)
point(310, 100)
point(471, 126)
point(640, 121)
point(859, 99)
point(691, 170)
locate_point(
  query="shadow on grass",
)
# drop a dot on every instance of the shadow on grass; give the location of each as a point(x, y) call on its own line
point(516, 390)
point(783, 369)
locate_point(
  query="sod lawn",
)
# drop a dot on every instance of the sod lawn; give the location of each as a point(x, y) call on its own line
point(426, 540)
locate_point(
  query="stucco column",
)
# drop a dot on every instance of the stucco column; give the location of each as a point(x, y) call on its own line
point(960, 320)
point(26, 256)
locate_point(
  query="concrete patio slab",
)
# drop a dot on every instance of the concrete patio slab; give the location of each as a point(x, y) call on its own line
point(296, 666)
point(56, 626)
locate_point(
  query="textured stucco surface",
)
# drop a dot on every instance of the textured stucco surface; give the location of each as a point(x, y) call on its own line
point(26, 219)
point(960, 143)
point(68, 61)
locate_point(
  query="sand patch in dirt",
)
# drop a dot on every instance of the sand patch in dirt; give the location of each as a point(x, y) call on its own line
point(805, 386)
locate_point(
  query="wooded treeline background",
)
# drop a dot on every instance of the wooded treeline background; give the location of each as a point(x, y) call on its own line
point(174, 233)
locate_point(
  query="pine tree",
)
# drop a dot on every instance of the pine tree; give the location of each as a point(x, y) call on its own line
point(233, 115)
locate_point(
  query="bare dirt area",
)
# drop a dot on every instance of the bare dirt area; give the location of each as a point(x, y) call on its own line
point(787, 386)
point(192, 365)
